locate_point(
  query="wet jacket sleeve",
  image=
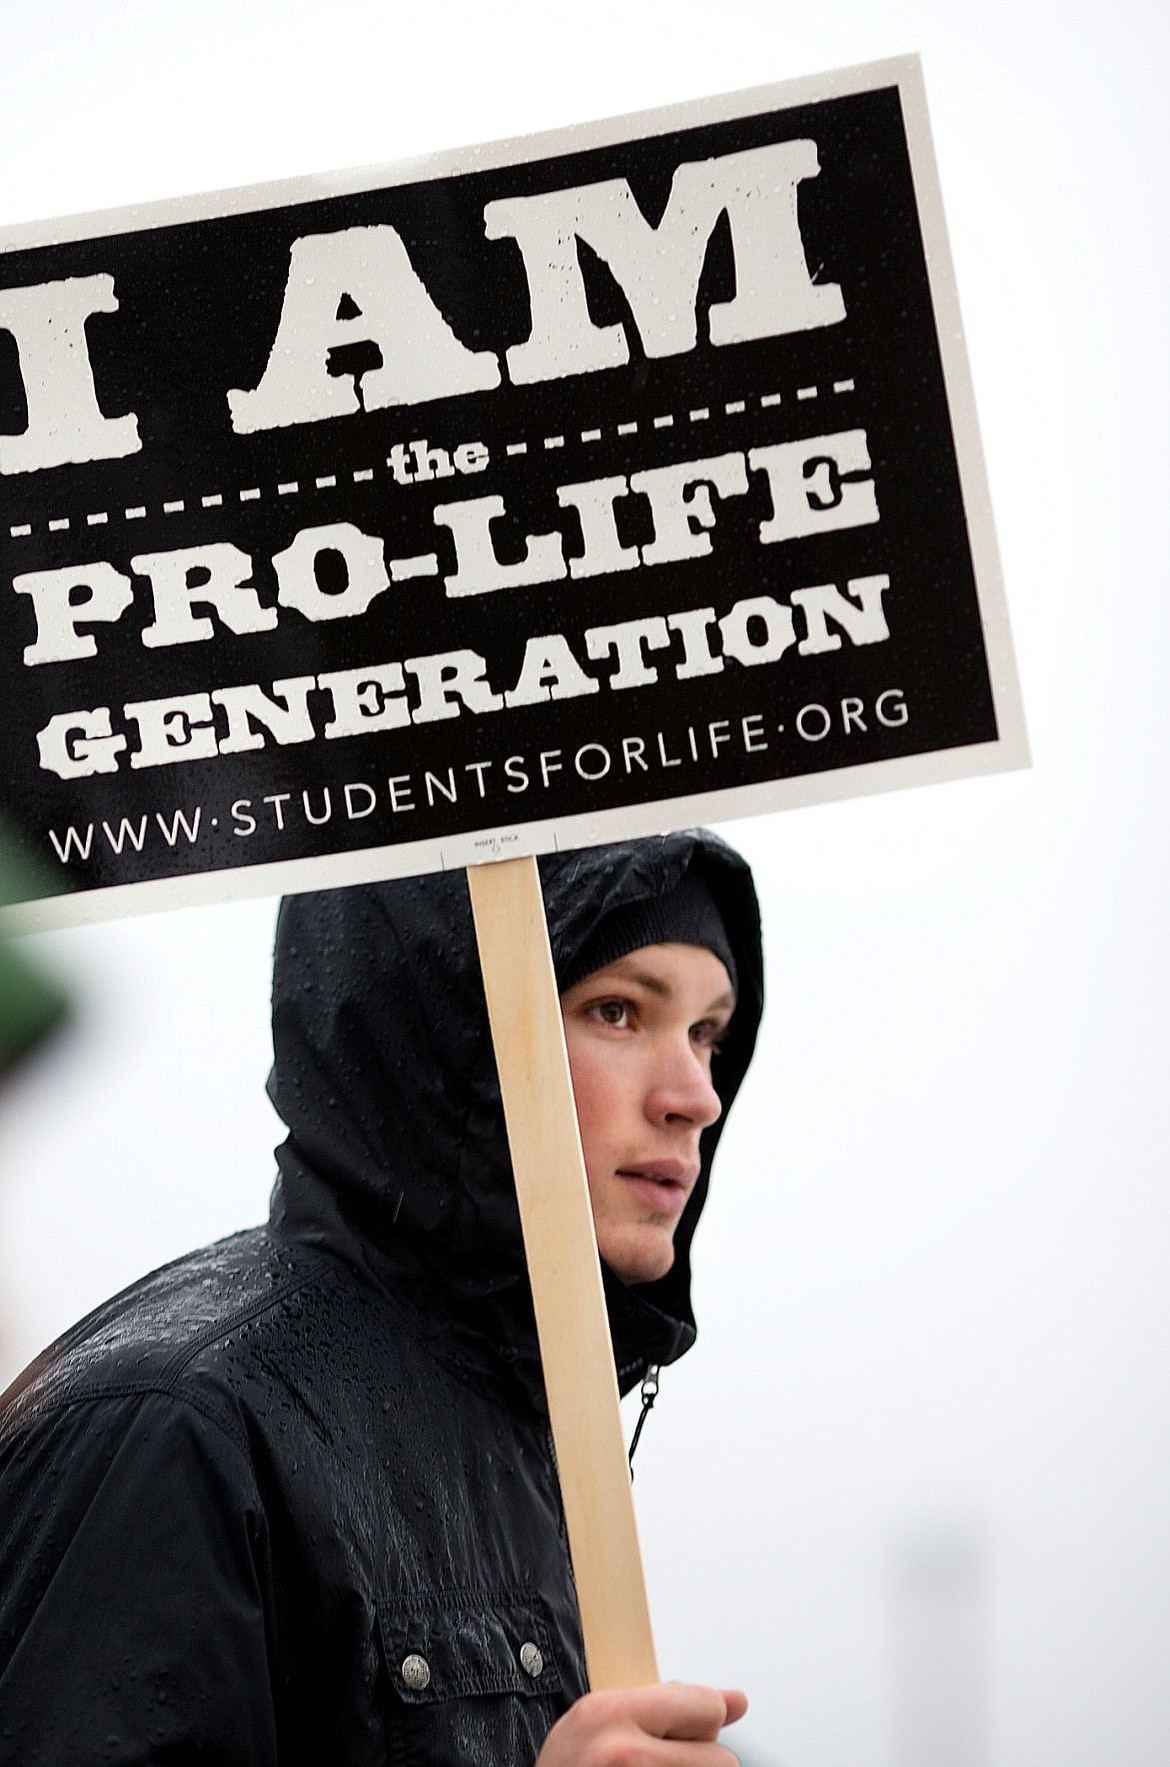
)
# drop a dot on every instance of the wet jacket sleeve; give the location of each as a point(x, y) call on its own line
point(135, 1625)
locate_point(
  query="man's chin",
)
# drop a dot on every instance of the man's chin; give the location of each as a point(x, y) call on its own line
point(636, 1265)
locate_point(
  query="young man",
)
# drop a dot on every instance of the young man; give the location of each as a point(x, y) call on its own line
point(292, 1501)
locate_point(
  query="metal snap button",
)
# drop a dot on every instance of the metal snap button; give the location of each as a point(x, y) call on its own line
point(416, 1672)
point(531, 1660)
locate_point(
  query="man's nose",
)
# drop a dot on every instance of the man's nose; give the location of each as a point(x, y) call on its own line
point(683, 1088)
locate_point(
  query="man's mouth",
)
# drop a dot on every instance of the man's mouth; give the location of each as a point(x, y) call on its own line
point(669, 1181)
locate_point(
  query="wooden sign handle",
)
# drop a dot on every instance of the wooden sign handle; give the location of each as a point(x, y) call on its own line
point(571, 1321)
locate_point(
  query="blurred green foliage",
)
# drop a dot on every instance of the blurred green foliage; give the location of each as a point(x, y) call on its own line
point(32, 1003)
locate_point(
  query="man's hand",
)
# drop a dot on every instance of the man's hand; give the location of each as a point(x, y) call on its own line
point(670, 1725)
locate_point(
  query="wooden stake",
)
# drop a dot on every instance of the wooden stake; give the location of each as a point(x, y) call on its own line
point(524, 1010)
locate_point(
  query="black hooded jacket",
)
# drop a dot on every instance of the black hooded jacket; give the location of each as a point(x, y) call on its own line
point(291, 1501)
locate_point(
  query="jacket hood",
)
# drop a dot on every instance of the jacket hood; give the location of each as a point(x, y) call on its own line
point(397, 1157)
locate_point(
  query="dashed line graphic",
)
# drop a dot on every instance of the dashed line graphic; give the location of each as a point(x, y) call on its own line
point(425, 565)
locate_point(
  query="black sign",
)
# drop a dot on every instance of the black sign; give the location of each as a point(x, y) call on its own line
point(539, 494)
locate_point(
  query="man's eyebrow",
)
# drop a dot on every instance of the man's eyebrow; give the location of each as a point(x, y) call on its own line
point(662, 990)
point(644, 979)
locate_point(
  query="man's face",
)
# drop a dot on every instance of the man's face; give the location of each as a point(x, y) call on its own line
point(642, 1034)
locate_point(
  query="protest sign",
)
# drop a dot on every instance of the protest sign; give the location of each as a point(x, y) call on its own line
point(517, 498)
point(526, 496)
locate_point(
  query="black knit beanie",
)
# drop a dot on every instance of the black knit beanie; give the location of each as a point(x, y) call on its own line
point(686, 915)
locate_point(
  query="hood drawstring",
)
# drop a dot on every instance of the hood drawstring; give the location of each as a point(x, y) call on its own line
point(649, 1394)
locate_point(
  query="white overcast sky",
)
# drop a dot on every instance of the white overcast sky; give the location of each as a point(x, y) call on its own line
point(911, 1489)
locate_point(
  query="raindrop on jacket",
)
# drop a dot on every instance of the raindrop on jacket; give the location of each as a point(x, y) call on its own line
point(291, 1501)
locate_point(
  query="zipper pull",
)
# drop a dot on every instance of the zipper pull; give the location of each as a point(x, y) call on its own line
point(649, 1394)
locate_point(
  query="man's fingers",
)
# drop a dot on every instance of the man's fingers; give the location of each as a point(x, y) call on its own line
point(677, 1712)
point(737, 1704)
point(671, 1723)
